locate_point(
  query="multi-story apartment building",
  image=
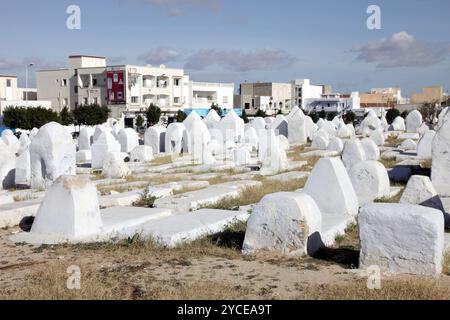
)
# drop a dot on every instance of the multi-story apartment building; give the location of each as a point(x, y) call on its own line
point(269, 97)
point(128, 89)
point(13, 96)
point(428, 95)
point(382, 98)
point(302, 90)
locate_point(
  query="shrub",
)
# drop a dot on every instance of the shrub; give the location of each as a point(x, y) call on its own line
point(153, 114)
point(90, 115)
point(28, 118)
point(391, 114)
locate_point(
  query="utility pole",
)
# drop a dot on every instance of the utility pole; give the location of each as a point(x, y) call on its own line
point(26, 83)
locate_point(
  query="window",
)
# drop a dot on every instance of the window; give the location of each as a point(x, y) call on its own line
point(85, 101)
point(225, 99)
point(65, 102)
point(119, 95)
point(176, 82)
point(64, 82)
point(94, 82)
point(116, 77)
point(95, 101)
point(176, 100)
point(75, 89)
point(109, 83)
point(8, 83)
point(247, 105)
point(134, 99)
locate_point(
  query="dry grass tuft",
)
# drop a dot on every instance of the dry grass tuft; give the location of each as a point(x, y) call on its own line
point(251, 195)
point(162, 160)
point(393, 141)
point(417, 289)
point(394, 199)
point(389, 162)
point(426, 164)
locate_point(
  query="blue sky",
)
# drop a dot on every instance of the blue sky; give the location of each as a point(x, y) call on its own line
point(241, 40)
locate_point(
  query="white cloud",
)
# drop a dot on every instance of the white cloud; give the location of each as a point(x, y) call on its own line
point(160, 55)
point(240, 61)
point(402, 50)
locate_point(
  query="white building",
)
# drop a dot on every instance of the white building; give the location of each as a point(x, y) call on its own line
point(302, 90)
point(12, 96)
point(334, 102)
point(128, 89)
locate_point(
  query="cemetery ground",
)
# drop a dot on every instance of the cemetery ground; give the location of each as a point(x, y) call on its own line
point(212, 267)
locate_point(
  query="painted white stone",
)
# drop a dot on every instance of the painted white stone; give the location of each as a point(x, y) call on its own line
point(311, 127)
point(421, 191)
point(442, 117)
point(297, 127)
point(284, 222)
point(352, 130)
point(343, 131)
point(336, 144)
point(10, 140)
point(114, 166)
point(155, 138)
point(320, 123)
point(33, 133)
point(353, 152)
point(413, 121)
point(398, 124)
point(319, 142)
point(370, 123)
point(128, 139)
point(104, 144)
point(329, 127)
point(251, 138)
point(423, 129)
point(52, 154)
point(212, 119)
point(198, 140)
point(7, 166)
point(23, 162)
point(174, 138)
point(440, 170)
point(283, 142)
point(330, 186)
point(141, 154)
point(81, 214)
point(269, 121)
point(371, 150)
point(258, 123)
point(84, 156)
point(281, 126)
point(193, 116)
point(408, 135)
point(336, 121)
point(378, 137)
point(85, 138)
point(232, 127)
point(401, 238)
point(424, 145)
point(242, 156)
point(187, 227)
point(98, 130)
point(370, 181)
point(408, 144)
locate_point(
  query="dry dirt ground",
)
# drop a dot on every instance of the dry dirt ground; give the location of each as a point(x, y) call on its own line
point(211, 268)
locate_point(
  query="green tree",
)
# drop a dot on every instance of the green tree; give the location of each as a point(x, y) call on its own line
point(153, 114)
point(260, 113)
point(429, 111)
point(90, 115)
point(314, 116)
point(139, 121)
point(181, 116)
point(28, 118)
point(215, 106)
point(391, 114)
point(331, 116)
point(244, 116)
point(349, 117)
point(66, 117)
point(404, 114)
point(322, 114)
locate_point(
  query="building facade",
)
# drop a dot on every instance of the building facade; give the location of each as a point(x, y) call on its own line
point(269, 97)
point(382, 98)
point(333, 103)
point(13, 96)
point(303, 90)
point(128, 89)
point(429, 95)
